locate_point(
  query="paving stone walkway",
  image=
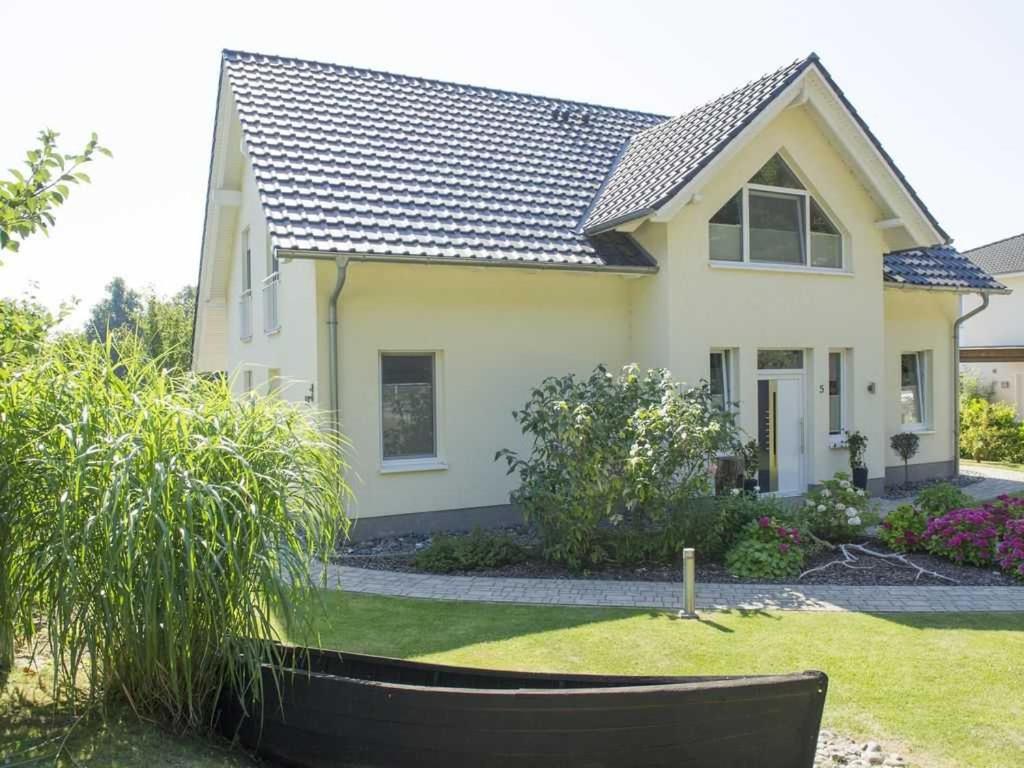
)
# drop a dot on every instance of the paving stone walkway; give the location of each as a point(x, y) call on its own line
point(998, 481)
point(666, 596)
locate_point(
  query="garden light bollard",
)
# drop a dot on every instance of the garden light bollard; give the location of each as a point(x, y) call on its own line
point(689, 585)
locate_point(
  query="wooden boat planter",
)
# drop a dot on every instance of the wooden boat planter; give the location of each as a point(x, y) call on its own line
point(344, 709)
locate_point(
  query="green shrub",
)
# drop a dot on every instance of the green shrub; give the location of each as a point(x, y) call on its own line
point(903, 528)
point(157, 527)
point(938, 499)
point(766, 550)
point(990, 432)
point(613, 449)
point(475, 551)
point(837, 511)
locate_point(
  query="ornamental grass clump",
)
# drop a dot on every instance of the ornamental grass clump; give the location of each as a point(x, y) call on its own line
point(157, 527)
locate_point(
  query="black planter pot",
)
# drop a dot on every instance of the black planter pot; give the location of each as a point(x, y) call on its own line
point(749, 485)
point(860, 477)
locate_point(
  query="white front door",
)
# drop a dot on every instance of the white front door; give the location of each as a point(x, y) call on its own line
point(789, 437)
point(781, 433)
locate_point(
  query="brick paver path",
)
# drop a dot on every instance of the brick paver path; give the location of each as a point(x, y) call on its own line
point(663, 595)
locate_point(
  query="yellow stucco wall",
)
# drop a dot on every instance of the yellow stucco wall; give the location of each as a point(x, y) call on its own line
point(497, 332)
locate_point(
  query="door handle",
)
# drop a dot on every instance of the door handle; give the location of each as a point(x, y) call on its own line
point(802, 436)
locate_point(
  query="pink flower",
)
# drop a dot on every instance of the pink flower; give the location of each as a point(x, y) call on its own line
point(783, 547)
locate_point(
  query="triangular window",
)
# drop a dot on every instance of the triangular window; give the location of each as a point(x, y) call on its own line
point(775, 173)
point(774, 220)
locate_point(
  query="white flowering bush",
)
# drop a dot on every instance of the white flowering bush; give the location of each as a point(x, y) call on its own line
point(837, 510)
point(627, 450)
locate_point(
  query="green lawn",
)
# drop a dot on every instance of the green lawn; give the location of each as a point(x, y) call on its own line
point(945, 689)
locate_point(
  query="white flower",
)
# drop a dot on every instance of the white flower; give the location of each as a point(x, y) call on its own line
point(852, 512)
point(860, 492)
point(821, 507)
point(854, 521)
point(826, 492)
point(809, 502)
point(735, 491)
point(844, 483)
point(757, 489)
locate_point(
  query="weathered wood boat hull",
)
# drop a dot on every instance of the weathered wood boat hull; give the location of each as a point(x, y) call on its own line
point(338, 709)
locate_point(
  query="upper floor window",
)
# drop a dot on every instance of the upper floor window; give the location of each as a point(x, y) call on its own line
point(774, 220)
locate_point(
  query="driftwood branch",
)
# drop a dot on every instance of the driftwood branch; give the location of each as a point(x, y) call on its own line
point(852, 553)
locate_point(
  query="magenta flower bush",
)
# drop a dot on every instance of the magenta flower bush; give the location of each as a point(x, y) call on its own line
point(1010, 552)
point(977, 535)
point(766, 550)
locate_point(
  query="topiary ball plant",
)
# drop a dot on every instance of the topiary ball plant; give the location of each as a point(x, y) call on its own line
point(905, 444)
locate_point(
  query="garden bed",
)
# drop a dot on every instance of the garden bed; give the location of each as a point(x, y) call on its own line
point(908, 490)
point(398, 554)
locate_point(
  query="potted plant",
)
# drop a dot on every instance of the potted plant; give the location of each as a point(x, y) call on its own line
point(750, 455)
point(905, 444)
point(857, 442)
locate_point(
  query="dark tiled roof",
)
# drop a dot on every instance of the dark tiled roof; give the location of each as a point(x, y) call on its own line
point(351, 160)
point(662, 159)
point(940, 266)
point(1001, 257)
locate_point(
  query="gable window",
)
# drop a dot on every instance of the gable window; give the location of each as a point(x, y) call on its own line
point(913, 389)
point(245, 299)
point(836, 393)
point(720, 378)
point(408, 407)
point(773, 219)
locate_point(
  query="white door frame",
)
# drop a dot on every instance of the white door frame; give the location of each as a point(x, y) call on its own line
point(800, 376)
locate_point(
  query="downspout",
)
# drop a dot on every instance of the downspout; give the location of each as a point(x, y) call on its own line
point(332, 344)
point(956, 379)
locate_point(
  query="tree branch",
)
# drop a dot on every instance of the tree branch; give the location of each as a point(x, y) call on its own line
point(849, 560)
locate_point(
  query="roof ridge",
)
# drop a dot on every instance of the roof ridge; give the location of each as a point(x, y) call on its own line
point(226, 52)
point(989, 245)
point(797, 63)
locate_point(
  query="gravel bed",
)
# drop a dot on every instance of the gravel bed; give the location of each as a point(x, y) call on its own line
point(397, 554)
point(836, 750)
point(906, 490)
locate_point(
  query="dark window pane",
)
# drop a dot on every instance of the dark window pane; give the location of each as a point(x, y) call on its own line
point(826, 242)
point(776, 228)
point(910, 389)
point(725, 231)
point(835, 393)
point(407, 406)
point(717, 380)
point(775, 173)
point(780, 359)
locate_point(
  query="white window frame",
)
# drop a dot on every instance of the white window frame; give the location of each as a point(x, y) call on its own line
point(838, 439)
point(247, 382)
point(922, 362)
point(806, 264)
point(727, 375)
point(419, 463)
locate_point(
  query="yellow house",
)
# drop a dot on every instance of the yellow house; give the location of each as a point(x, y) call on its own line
point(412, 256)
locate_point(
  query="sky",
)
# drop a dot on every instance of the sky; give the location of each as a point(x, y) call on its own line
point(938, 82)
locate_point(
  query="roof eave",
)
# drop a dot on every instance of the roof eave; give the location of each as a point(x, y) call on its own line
point(903, 286)
point(378, 258)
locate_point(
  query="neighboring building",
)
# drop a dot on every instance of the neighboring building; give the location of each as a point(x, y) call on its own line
point(473, 242)
point(992, 344)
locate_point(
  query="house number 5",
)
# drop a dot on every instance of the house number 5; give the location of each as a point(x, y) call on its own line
point(821, 389)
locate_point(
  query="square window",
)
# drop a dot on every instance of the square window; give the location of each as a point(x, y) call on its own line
point(777, 227)
point(408, 407)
